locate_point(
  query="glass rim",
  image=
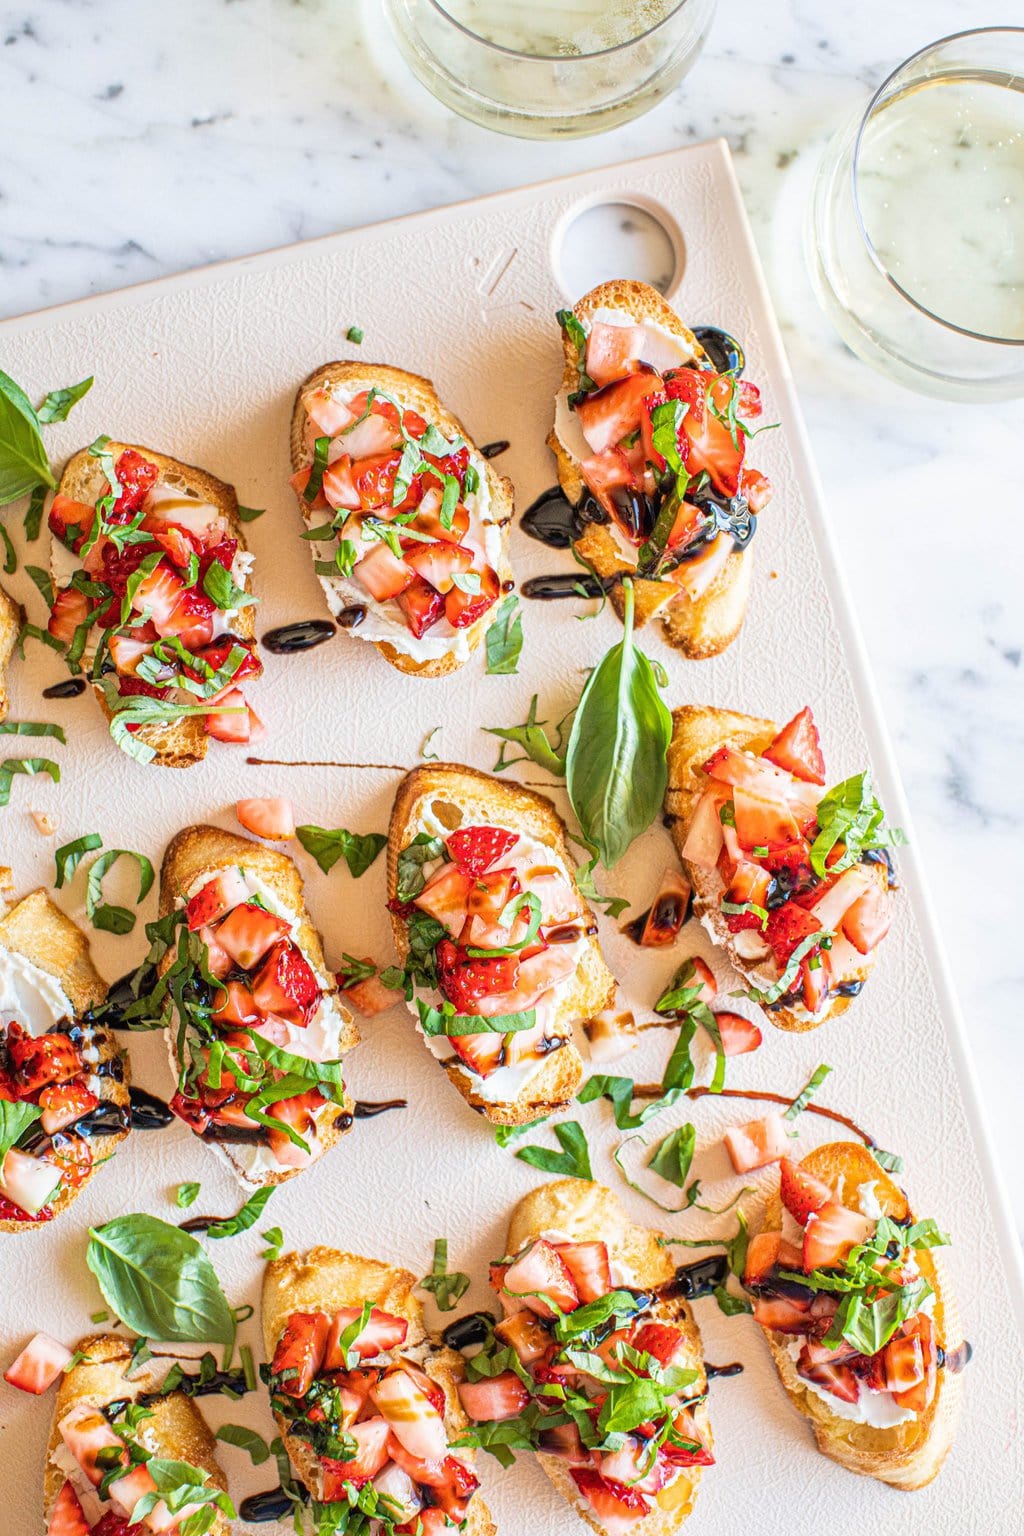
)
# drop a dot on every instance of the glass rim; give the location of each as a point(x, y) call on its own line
point(558, 58)
point(876, 259)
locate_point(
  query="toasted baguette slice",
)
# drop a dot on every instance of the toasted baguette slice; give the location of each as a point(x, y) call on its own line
point(699, 629)
point(200, 851)
point(909, 1455)
point(12, 616)
point(465, 796)
point(697, 732)
point(177, 743)
point(176, 1431)
point(417, 394)
point(584, 1212)
point(326, 1280)
point(37, 929)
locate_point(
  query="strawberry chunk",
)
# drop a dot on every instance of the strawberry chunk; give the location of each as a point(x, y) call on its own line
point(668, 911)
point(446, 897)
point(797, 748)
point(67, 1517)
point(788, 926)
point(370, 996)
point(604, 474)
point(831, 1233)
point(404, 1398)
point(225, 890)
point(589, 1267)
point(300, 1351)
point(422, 606)
point(612, 350)
point(835, 1378)
point(617, 1506)
point(757, 1143)
point(707, 443)
point(739, 1035)
point(762, 1257)
point(371, 1456)
point(464, 608)
point(537, 1273)
point(249, 932)
point(868, 920)
point(660, 1340)
point(287, 985)
point(525, 1333)
point(763, 823)
point(137, 477)
point(39, 1364)
point(37, 1060)
point(782, 1314)
point(64, 1103)
point(231, 719)
point(439, 564)
point(800, 1192)
point(383, 574)
point(70, 609)
point(904, 1363)
point(483, 1053)
point(494, 1398)
point(475, 849)
point(269, 817)
point(300, 1113)
point(383, 1331)
point(609, 414)
point(749, 886)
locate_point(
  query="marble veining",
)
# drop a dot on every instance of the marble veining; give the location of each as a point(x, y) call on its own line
point(144, 139)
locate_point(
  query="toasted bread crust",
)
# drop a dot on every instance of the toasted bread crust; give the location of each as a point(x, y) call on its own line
point(37, 929)
point(420, 395)
point(481, 794)
point(12, 617)
point(697, 732)
point(699, 629)
point(177, 1423)
point(178, 743)
point(325, 1280)
point(909, 1455)
point(202, 850)
point(587, 1212)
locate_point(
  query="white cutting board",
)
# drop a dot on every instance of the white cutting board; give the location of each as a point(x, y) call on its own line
point(205, 366)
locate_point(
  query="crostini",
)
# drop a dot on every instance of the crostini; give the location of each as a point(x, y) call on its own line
point(582, 1286)
point(859, 1319)
point(11, 620)
point(365, 1399)
point(650, 443)
point(792, 880)
point(258, 1053)
point(499, 946)
point(407, 521)
point(151, 600)
point(112, 1416)
point(63, 1076)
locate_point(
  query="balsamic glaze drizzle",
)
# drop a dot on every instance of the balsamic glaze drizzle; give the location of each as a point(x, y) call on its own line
point(274, 1504)
point(366, 1109)
point(70, 688)
point(303, 636)
point(491, 450)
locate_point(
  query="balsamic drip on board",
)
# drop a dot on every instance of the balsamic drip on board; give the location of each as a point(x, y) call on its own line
point(366, 1109)
point(288, 639)
point(70, 688)
point(552, 588)
point(655, 1090)
point(492, 450)
point(714, 1371)
point(699, 1278)
point(274, 1504)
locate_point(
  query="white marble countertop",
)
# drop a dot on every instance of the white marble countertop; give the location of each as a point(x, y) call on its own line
point(144, 138)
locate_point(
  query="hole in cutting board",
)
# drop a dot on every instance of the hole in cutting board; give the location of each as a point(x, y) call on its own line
point(607, 240)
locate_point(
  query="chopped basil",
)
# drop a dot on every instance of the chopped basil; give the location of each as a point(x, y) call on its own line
point(34, 513)
point(806, 1093)
point(15, 1117)
point(779, 988)
point(525, 901)
point(222, 590)
point(891, 1162)
point(321, 448)
point(682, 997)
point(674, 1154)
point(352, 971)
point(58, 402)
point(354, 334)
point(108, 918)
point(186, 1195)
point(736, 908)
point(32, 728)
point(246, 1217)
point(427, 755)
point(533, 739)
point(574, 1159)
point(11, 558)
point(33, 632)
point(504, 639)
point(43, 582)
point(850, 814)
point(446, 1287)
point(250, 514)
point(729, 1304)
point(577, 338)
point(274, 1238)
point(327, 846)
point(10, 766)
point(467, 581)
point(245, 1440)
point(410, 879)
point(445, 1021)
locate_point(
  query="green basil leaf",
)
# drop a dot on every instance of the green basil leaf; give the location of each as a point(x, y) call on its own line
point(32, 728)
point(186, 1195)
point(616, 764)
point(68, 857)
point(354, 334)
point(891, 1162)
point(850, 813)
point(674, 1154)
point(159, 1282)
point(781, 987)
point(10, 766)
point(533, 739)
point(58, 403)
point(506, 919)
point(321, 448)
point(446, 1287)
point(806, 1093)
point(631, 1406)
point(445, 1021)
point(245, 1218)
point(505, 1135)
point(574, 1159)
point(577, 337)
point(245, 1440)
point(114, 919)
point(23, 460)
point(504, 638)
point(250, 514)
point(729, 1304)
point(15, 1117)
point(11, 555)
point(328, 846)
point(426, 753)
point(274, 1238)
point(221, 589)
point(34, 512)
point(409, 879)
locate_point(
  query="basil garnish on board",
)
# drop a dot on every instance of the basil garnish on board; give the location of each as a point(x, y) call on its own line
point(446, 1286)
point(504, 639)
point(245, 1440)
point(23, 459)
point(533, 738)
point(807, 1093)
point(59, 402)
point(109, 918)
point(32, 728)
point(328, 845)
point(159, 1282)
point(9, 766)
point(851, 814)
point(572, 1162)
point(246, 1217)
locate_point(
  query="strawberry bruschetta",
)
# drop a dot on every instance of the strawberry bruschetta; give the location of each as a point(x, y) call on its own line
point(407, 521)
point(256, 1029)
point(365, 1399)
point(63, 1077)
point(792, 879)
point(498, 945)
point(125, 1455)
point(598, 1360)
point(151, 600)
point(651, 444)
point(861, 1324)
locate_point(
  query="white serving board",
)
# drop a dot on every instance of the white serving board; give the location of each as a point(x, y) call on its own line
point(204, 366)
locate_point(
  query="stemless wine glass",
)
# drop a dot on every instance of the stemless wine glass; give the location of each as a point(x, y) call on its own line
point(915, 235)
point(541, 70)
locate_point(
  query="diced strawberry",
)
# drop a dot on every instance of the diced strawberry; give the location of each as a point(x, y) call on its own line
point(446, 897)
point(452, 1487)
point(797, 749)
point(759, 777)
point(371, 1437)
point(217, 653)
point(225, 890)
point(814, 982)
point(904, 1363)
point(249, 932)
point(383, 1331)
point(800, 1192)
point(782, 1314)
point(835, 1378)
point(234, 1006)
point(739, 1035)
point(370, 996)
point(537, 973)
point(69, 520)
point(668, 911)
point(708, 444)
point(338, 485)
point(792, 865)
point(612, 349)
point(489, 894)
point(39, 1364)
point(868, 920)
point(762, 823)
point(464, 608)
point(64, 1103)
point(114, 1524)
point(268, 817)
point(428, 519)
point(687, 1448)
point(376, 436)
point(231, 719)
point(37, 1060)
point(137, 477)
point(483, 1053)
point(757, 1143)
point(439, 564)
point(589, 1267)
point(616, 1506)
point(476, 986)
point(287, 985)
point(632, 1466)
point(831, 1233)
point(300, 1113)
point(412, 1414)
point(699, 572)
point(127, 650)
point(494, 1397)
point(665, 1343)
point(328, 414)
point(192, 619)
point(67, 1517)
point(382, 574)
point(299, 1355)
point(604, 474)
point(750, 885)
point(762, 1257)
point(86, 1433)
point(563, 1441)
point(703, 978)
point(756, 489)
point(158, 594)
point(918, 1396)
point(538, 1272)
point(374, 479)
point(525, 1333)
point(422, 606)
point(788, 926)
point(609, 414)
point(704, 834)
point(70, 609)
point(476, 849)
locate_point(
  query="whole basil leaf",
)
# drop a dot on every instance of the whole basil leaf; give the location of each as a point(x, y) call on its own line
point(328, 845)
point(23, 461)
point(14, 1119)
point(616, 766)
point(159, 1282)
point(505, 638)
